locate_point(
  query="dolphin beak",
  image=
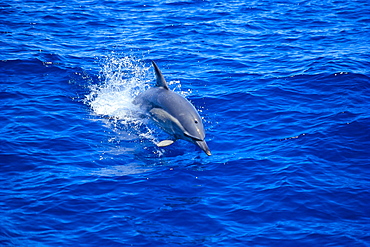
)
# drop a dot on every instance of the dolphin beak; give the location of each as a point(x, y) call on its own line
point(203, 145)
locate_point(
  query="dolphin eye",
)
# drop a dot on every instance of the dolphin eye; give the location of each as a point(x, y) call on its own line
point(195, 121)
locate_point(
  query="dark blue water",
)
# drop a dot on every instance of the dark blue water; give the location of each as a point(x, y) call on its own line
point(284, 90)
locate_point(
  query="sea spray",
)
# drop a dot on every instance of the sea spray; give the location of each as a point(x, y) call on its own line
point(122, 78)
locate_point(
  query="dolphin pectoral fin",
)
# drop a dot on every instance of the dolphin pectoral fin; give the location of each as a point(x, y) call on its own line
point(165, 143)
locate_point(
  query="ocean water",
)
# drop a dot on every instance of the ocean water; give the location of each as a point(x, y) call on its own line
point(283, 88)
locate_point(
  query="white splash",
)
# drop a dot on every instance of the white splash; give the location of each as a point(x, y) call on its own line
point(122, 79)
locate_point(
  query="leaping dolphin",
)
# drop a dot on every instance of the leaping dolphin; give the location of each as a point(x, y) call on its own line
point(172, 113)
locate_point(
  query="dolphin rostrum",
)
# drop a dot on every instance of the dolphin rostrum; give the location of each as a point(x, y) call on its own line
point(172, 113)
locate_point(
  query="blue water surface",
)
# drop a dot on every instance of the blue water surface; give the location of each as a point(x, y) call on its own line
point(283, 88)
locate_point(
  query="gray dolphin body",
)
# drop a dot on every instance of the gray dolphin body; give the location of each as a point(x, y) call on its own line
point(173, 113)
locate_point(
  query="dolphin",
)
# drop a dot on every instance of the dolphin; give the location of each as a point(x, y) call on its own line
point(172, 113)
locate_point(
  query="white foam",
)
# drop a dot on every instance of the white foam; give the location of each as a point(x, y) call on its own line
point(122, 79)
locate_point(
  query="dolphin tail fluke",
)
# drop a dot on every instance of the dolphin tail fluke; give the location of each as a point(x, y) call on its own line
point(161, 82)
point(203, 145)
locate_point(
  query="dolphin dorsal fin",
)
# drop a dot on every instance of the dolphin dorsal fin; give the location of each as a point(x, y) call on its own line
point(161, 82)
